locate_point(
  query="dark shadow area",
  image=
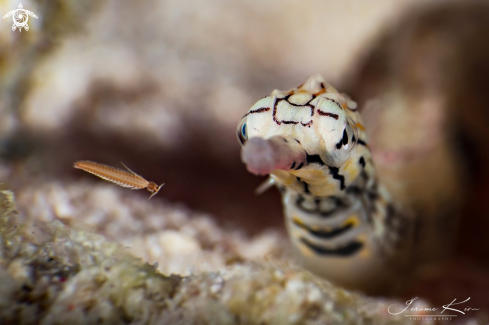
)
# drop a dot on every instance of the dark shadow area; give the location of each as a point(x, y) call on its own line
point(444, 47)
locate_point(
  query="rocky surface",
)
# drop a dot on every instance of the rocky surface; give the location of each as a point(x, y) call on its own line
point(170, 266)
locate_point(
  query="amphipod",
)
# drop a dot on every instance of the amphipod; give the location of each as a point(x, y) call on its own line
point(117, 176)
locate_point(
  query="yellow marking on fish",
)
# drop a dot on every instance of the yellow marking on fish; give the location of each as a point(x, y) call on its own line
point(312, 177)
point(351, 168)
point(298, 221)
point(353, 220)
point(284, 177)
point(322, 91)
point(118, 176)
point(360, 126)
point(323, 189)
point(301, 224)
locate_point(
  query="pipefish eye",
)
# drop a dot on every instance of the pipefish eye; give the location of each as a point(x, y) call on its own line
point(350, 135)
point(241, 132)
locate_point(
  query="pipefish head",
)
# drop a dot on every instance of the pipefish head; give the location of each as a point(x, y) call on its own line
point(282, 129)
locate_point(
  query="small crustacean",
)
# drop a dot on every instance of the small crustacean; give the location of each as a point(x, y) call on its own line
point(118, 176)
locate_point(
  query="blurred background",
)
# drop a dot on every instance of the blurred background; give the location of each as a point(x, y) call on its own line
point(161, 86)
